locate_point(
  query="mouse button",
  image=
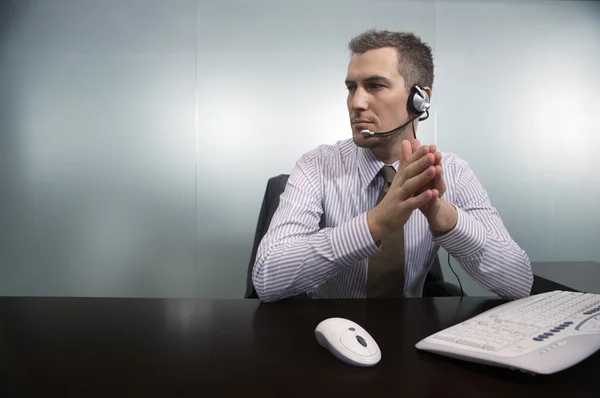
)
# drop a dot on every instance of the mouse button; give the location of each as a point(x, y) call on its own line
point(373, 348)
point(349, 341)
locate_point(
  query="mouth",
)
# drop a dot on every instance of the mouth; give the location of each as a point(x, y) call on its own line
point(361, 123)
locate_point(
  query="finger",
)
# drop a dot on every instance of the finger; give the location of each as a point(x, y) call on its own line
point(418, 153)
point(438, 157)
point(438, 181)
point(420, 200)
point(402, 175)
point(417, 167)
point(406, 154)
point(415, 144)
point(414, 184)
point(408, 168)
point(431, 185)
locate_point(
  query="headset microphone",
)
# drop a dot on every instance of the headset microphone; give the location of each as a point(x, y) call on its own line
point(418, 103)
point(366, 133)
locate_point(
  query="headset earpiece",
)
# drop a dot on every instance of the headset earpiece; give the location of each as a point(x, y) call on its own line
point(418, 102)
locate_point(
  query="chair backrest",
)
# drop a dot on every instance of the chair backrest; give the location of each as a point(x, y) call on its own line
point(275, 187)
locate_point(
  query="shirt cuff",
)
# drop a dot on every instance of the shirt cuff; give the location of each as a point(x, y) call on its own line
point(352, 241)
point(466, 238)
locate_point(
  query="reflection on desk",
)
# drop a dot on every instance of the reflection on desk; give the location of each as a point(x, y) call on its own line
point(151, 347)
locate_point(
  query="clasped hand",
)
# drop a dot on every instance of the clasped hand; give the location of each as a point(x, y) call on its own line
point(419, 184)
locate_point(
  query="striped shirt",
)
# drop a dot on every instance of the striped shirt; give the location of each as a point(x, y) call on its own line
point(342, 182)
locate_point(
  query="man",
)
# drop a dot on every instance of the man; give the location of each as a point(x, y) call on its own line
point(384, 225)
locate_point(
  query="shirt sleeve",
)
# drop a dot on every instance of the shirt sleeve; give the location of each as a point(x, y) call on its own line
point(295, 256)
point(480, 241)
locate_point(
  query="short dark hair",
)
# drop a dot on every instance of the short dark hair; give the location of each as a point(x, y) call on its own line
point(415, 59)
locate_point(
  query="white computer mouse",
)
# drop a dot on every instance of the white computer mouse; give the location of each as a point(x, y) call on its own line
point(348, 342)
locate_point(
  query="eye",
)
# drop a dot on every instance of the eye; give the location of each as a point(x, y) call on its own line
point(351, 88)
point(375, 86)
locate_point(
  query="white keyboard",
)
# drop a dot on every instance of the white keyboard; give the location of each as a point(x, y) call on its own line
point(543, 333)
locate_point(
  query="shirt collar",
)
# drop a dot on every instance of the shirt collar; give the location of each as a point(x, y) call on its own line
point(369, 166)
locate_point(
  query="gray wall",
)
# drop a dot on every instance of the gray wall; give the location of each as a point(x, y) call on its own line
point(136, 136)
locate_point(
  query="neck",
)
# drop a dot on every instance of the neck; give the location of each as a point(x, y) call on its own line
point(387, 155)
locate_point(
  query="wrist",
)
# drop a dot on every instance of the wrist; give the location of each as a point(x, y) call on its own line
point(375, 228)
point(447, 218)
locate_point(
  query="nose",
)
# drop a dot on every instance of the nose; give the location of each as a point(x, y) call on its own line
point(358, 100)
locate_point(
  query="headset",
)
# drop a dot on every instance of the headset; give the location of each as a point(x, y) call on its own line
point(418, 105)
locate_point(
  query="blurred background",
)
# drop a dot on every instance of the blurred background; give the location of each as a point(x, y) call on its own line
point(137, 136)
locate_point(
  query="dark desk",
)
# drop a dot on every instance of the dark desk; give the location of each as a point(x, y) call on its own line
point(148, 347)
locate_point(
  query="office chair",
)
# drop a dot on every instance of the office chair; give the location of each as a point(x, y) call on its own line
point(435, 286)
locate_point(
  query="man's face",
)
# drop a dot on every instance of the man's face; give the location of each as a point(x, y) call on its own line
point(377, 96)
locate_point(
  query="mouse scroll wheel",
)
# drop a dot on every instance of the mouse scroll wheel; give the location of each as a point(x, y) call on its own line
point(361, 341)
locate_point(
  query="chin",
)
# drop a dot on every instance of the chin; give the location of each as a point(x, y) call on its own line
point(373, 141)
point(361, 141)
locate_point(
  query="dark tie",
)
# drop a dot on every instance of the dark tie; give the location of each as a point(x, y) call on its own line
point(385, 276)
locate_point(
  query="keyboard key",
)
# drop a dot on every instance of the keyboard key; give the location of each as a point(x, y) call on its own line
point(492, 347)
point(471, 342)
point(502, 340)
point(446, 337)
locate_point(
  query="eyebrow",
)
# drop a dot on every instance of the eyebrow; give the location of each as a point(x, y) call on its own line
point(370, 79)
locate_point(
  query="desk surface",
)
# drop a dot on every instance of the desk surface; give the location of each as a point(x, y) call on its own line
point(179, 347)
